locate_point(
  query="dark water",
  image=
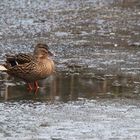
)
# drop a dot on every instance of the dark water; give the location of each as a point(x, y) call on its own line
point(96, 91)
point(66, 87)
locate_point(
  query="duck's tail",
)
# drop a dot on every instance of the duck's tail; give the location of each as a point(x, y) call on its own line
point(2, 68)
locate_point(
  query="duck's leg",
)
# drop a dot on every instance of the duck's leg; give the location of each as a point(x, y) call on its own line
point(29, 87)
point(36, 85)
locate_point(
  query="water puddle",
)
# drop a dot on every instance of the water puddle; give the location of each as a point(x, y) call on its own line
point(72, 86)
point(96, 90)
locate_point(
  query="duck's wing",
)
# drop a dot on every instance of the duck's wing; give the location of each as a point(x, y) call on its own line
point(19, 65)
point(19, 59)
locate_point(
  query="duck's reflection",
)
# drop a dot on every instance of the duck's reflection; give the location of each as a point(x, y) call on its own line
point(65, 87)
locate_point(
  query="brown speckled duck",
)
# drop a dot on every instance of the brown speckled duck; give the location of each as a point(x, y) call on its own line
point(30, 67)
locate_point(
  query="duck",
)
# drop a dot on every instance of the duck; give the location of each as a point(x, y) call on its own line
point(30, 67)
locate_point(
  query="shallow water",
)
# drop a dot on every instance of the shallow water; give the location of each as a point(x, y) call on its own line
point(66, 87)
point(96, 90)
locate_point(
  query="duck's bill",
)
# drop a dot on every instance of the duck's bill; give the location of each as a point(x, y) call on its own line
point(51, 53)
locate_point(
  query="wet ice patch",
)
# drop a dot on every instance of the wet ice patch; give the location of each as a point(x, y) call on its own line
point(26, 21)
point(84, 119)
point(61, 34)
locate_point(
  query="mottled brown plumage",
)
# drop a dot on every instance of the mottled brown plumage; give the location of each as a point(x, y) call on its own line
point(30, 67)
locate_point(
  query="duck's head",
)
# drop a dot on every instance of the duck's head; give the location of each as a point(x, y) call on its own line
point(42, 49)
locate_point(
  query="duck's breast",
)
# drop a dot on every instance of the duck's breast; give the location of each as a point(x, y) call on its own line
point(45, 68)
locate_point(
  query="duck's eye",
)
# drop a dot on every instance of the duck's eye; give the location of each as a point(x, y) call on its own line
point(14, 63)
point(45, 51)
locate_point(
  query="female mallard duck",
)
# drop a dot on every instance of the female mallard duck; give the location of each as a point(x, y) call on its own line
point(30, 68)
